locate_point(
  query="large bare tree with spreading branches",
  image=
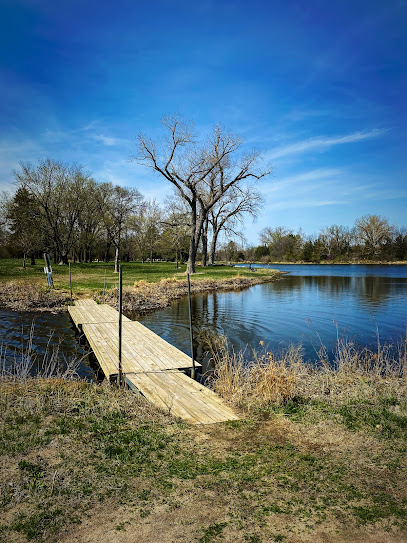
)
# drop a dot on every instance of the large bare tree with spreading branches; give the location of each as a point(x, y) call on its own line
point(201, 172)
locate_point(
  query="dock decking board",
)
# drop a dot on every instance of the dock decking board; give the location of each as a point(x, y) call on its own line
point(150, 364)
point(168, 390)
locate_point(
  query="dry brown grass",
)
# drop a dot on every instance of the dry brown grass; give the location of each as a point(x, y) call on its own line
point(267, 379)
point(264, 380)
point(31, 296)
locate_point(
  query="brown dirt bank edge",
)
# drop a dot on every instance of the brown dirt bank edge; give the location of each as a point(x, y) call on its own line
point(144, 297)
point(32, 296)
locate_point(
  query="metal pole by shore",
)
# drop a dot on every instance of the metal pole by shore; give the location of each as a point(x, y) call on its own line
point(70, 279)
point(104, 287)
point(191, 331)
point(120, 375)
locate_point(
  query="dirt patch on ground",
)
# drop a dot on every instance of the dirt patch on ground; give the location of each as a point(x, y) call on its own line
point(199, 519)
point(205, 513)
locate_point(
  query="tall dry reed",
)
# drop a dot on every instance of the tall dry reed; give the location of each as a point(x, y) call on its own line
point(268, 378)
point(26, 363)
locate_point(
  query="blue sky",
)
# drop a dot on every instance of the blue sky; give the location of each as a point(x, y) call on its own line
point(319, 87)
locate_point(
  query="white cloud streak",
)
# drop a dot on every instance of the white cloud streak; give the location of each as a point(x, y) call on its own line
point(322, 143)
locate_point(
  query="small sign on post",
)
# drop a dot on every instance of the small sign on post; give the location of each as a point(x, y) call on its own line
point(48, 270)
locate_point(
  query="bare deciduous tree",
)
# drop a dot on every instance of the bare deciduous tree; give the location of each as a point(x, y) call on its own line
point(117, 204)
point(283, 244)
point(146, 228)
point(336, 240)
point(374, 231)
point(56, 189)
point(202, 174)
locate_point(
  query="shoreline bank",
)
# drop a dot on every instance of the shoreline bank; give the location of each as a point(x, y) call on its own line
point(325, 263)
point(146, 297)
point(142, 297)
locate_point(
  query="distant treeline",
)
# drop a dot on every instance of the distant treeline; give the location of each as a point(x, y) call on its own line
point(371, 238)
point(62, 210)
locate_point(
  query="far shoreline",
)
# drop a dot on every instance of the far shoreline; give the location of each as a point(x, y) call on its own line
point(323, 263)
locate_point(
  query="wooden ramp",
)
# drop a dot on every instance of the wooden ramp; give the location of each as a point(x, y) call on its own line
point(150, 364)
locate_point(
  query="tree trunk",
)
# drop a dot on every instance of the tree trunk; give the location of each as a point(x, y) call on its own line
point(193, 248)
point(107, 249)
point(24, 261)
point(197, 223)
point(212, 249)
point(204, 260)
point(194, 244)
point(32, 259)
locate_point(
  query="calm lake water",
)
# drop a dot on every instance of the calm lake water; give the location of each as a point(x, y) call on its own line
point(52, 335)
point(310, 305)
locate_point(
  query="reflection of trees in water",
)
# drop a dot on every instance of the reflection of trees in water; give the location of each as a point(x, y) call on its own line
point(378, 291)
point(217, 313)
point(272, 311)
point(372, 291)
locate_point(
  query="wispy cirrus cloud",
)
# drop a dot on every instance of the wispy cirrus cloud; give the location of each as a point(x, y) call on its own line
point(109, 141)
point(303, 179)
point(301, 203)
point(322, 143)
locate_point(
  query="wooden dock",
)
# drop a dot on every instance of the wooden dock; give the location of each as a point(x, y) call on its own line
point(150, 364)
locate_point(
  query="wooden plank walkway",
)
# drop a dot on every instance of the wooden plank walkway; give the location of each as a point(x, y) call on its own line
point(150, 364)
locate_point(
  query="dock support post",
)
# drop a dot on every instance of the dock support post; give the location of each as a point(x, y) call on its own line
point(120, 376)
point(191, 331)
point(70, 280)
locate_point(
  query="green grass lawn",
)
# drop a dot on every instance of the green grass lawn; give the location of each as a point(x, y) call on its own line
point(89, 278)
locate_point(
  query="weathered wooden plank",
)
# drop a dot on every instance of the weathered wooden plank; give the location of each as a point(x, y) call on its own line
point(200, 411)
point(154, 386)
point(167, 390)
point(137, 355)
point(156, 395)
point(88, 311)
point(158, 344)
point(165, 355)
point(202, 396)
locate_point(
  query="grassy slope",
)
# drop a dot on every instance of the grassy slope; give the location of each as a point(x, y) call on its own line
point(89, 278)
point(83, 462)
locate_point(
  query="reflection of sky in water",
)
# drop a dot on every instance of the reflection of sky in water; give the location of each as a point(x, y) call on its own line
point(297, 309)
